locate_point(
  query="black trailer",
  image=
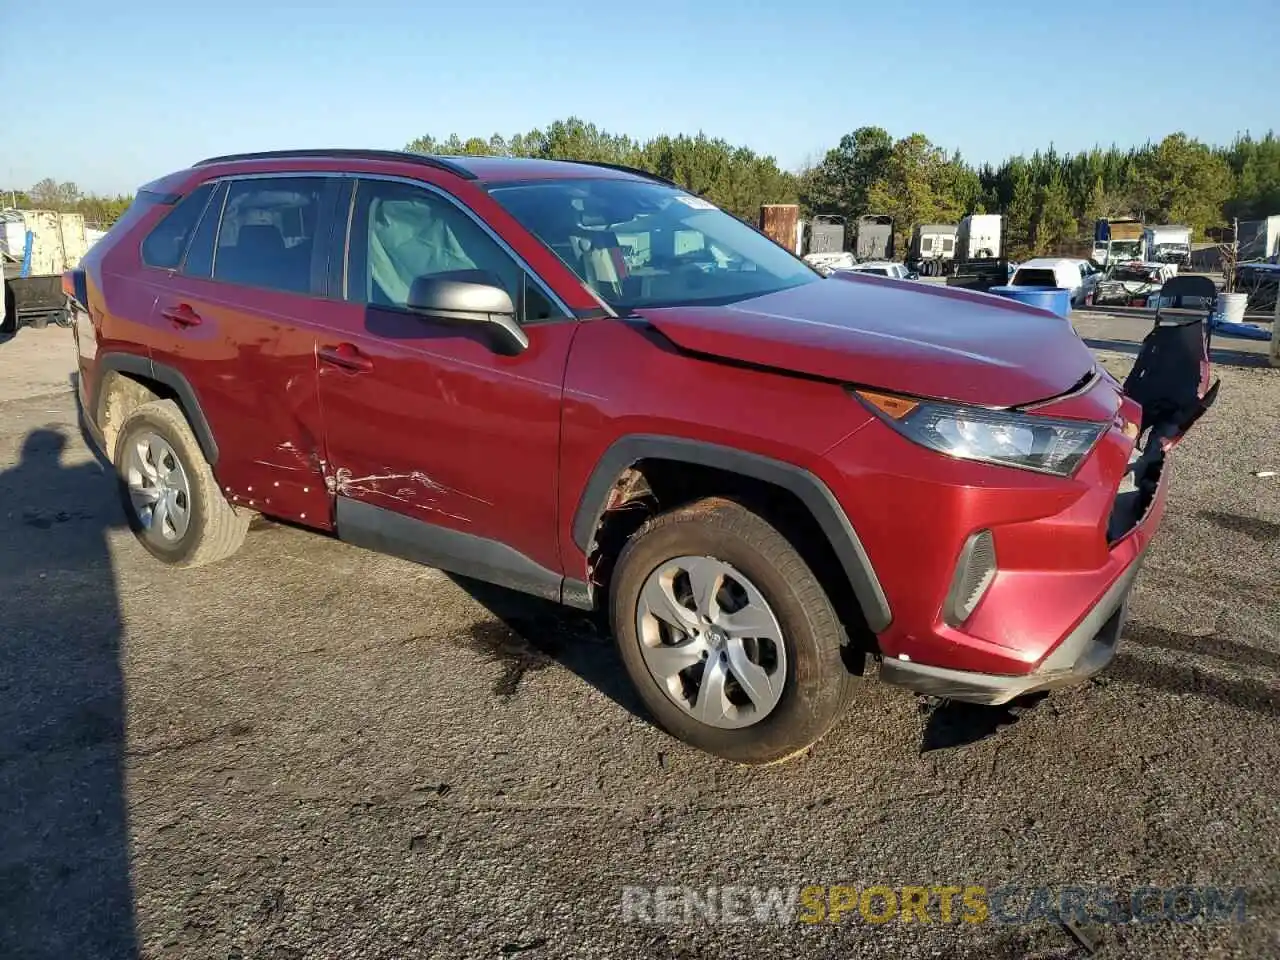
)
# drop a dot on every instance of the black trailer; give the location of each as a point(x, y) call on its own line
point(874, 237)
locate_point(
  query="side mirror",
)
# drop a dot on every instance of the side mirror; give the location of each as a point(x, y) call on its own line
point(913, 275)
point(471, 301)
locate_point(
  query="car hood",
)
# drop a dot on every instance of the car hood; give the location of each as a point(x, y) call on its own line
point(928, 341)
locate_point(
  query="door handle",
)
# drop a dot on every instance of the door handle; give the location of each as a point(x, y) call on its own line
point(346, 356)
point(181, 316)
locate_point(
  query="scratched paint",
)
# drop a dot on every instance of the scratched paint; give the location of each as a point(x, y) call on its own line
point(415, 488)
point(302, 462)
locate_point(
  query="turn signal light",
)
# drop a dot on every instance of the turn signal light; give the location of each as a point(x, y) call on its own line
point(895, 408)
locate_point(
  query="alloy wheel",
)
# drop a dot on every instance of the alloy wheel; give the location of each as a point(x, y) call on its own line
point(158, 487)
point(711, 641)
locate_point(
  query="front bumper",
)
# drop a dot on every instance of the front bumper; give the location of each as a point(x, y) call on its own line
point(1066, 556)
point(1082, 653)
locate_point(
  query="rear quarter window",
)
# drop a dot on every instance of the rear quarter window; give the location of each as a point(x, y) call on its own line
point(1034, 277)
point(168, 239)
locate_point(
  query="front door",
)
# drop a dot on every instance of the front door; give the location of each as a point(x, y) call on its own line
point(439, 448)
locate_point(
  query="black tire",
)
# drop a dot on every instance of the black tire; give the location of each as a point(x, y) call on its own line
point(817, 683)
point(214, 530)
point(9, 321)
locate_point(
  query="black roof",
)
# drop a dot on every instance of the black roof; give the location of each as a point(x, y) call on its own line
point(340, 153)
point(466, 166)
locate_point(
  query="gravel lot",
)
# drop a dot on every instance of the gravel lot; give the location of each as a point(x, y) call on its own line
point(314, 751)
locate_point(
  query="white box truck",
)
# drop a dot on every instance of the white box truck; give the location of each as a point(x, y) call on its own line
point(1167, 243)
point(979, 261)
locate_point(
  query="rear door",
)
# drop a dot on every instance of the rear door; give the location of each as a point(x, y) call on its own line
point(439, 448)
point(231, 313)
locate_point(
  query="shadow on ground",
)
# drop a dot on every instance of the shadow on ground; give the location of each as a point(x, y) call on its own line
point(64, 842)
point(954, 723)
point(530, 634)
point(1218, 354)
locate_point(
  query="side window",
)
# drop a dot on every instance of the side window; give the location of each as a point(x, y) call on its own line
point(926, 244)
point(400, 232)
point(167, 240)
point(267, 233)
point(536, 306)
point(199, 259)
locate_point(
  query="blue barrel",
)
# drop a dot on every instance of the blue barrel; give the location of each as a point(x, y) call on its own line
point(1054, 299)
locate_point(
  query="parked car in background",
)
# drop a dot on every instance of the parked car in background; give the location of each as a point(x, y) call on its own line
point(759, 474)
point(826, 262)
point(882, 268)
point(1078, 276)
point(1130, 284)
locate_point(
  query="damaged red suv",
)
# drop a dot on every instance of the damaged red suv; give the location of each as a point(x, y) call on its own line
point(583, 382)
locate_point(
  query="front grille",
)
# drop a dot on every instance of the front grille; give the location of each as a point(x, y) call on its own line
point(975, 570)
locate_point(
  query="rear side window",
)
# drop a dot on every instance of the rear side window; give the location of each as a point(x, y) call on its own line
point(199, 259)
point(143, 202)
point(267, 233)
point(167, 241)
point(1032, 277)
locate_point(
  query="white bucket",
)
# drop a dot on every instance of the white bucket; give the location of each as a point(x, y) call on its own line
point(1230, 307)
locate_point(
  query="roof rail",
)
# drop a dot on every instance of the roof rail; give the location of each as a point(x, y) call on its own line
point(346, 153)
point(623, 168)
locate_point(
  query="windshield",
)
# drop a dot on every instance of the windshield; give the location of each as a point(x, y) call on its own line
point(643, 244)
point(1125, 248)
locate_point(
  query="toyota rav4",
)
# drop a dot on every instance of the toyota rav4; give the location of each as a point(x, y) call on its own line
point(581, 381)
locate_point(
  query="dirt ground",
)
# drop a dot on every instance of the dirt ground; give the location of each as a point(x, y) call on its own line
point(315, 751)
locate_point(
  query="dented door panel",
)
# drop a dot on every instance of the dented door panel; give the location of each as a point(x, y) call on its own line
point(436, 426)
point(254, 373)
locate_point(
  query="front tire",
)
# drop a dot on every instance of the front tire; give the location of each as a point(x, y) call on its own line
point(169, 492)
point(728, 636)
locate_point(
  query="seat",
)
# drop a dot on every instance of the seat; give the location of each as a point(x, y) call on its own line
point(1181, 292)
point(603, 261)
point(1170, 377)
point(259, 258)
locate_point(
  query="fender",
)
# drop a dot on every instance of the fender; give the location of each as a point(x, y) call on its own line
point(131, 363)
point(813, 493)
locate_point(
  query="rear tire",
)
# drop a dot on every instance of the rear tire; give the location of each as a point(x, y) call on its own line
point(169, 492)
point(9, 320)
point(780, 682)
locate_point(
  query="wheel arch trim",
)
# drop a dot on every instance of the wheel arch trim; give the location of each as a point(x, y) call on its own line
point(132, 363)
point(810, 489)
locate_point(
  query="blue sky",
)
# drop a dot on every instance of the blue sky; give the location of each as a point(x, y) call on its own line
point(158, 85)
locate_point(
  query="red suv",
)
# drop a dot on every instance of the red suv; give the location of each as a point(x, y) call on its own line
point(581, 381)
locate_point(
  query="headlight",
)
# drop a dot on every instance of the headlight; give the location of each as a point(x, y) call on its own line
point(991, 436)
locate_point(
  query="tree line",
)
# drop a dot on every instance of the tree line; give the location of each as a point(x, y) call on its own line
point(1048, 198)
point(734, 178)
point(99, 212)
